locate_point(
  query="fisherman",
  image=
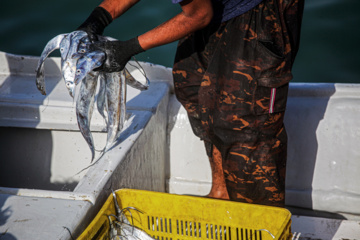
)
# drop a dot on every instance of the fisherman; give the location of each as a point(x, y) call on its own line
point(231, 73)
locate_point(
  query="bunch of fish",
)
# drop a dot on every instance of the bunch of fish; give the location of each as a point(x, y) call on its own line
point(77, 66)
point(121, 228)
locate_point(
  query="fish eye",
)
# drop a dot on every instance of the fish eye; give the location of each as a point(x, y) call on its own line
point(78, 71)
point(69, 84)
point(61, 49)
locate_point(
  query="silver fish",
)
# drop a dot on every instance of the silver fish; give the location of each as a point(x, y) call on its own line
point(65, 46)
point(131, 81)
point(121, 228)
point(117, 207)
point(68, 72)
point(83, 45)
point(77, 65)
point(86, 63)
point(53, 44)
point(131, 232)
point(76, 38)
point(101, 102)
point(75, 43)
point(85, 106)
point(116, 103)
point(113, 232)
point(122, 102)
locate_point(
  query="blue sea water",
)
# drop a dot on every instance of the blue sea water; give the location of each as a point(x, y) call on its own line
point(329, 50)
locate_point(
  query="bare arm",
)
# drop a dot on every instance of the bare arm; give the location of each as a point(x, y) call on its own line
point(195, 15)
point(117, 7)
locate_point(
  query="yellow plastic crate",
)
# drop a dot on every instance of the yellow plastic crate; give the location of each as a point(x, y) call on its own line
point(176, 217)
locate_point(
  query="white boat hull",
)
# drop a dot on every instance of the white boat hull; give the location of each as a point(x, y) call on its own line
point(43, 195)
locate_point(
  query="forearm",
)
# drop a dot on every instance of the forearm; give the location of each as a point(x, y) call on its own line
point(195, 15)
point(117, 7)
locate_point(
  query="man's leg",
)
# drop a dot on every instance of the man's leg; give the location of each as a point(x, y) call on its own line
point(218, 187)
point(190, 66)
point(255, 169)
point(244, 98)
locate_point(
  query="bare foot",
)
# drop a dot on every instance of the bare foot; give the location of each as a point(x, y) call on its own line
point(219, 194)
point(218, 189)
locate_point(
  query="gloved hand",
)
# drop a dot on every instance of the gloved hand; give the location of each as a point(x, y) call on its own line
point(95, 24)
point(117, 53)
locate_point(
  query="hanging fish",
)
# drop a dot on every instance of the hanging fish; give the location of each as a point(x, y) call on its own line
point(53, 44)
point(131, 81)
point(85, 106)
point(101, 102)
point(86, 63)
point(116, 105)
point(75, 44)
point(78, 64)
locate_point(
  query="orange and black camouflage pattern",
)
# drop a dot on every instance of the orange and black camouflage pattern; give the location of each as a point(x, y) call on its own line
point(232, 78)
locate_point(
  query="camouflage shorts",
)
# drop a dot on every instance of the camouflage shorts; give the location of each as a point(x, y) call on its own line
point(232, 78)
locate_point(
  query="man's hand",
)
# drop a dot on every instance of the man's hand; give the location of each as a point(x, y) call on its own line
point(95, 24)
point(117, 53)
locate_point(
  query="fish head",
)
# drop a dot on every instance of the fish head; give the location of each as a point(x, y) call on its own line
point(64, 47)
point(40, 84)
point(81, 69)
point(82, 49)
point(87, 63)
point(79, 49)
point(97, 59)
point(76, 38)
point(70, 87)
point(83, 46)
point(68, 69)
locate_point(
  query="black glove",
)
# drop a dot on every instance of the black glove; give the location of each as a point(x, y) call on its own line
point(117, 53)
point(95, 24)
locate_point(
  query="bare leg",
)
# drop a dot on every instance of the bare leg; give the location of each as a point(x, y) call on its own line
point(218, 189)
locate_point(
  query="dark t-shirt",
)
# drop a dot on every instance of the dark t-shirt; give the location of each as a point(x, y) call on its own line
point(227, 9)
